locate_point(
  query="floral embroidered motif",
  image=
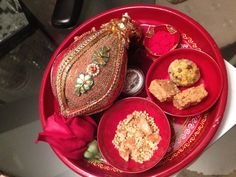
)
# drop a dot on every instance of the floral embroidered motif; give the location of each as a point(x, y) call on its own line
point(83, 84)
point(92, 69)
point(85, 81)
point(101, 56)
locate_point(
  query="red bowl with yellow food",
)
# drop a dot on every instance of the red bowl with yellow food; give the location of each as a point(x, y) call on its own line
point(210, 78)
point(133, 135)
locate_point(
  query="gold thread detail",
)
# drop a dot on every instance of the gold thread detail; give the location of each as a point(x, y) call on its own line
point(190, 41)
point(171, 29)
point(190, 140)
point(103, 166)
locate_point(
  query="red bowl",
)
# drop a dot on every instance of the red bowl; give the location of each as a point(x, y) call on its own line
point(161, 39)
point(107, 129)
point(211, 77)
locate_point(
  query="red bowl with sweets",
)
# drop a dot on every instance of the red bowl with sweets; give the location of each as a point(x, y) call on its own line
point(209, 78)
point(133, 135)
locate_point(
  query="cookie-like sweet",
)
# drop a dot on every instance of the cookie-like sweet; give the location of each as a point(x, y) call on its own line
point(184, 72)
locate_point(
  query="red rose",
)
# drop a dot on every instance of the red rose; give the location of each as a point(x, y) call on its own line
point(69, 136)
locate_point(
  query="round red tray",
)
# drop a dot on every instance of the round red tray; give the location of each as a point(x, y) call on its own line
point(190, 135)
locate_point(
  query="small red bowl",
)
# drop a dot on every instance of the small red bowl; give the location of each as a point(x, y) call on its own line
point(107, 129)
point(161, 39)
point(211, 77)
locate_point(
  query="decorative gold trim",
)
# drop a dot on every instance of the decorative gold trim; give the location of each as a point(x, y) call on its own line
point(150, 31)
point(171, 29)
point(104, 166)
point(190, 140)
point(190, 41)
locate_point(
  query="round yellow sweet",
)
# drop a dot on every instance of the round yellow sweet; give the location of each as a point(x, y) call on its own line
point(183, 72)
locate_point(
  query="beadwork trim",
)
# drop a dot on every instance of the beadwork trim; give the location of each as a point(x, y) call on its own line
point(90, 69)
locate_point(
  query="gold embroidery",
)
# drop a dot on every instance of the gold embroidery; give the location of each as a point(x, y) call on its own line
point(190, 41)
point(190, 140)
point(150, 32)
point(103, 166)
point(171, 29)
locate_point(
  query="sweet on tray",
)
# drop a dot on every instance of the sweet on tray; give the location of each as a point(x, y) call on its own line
point(189, 97)
point(184, 72)
point(163, 90)
point(133, 135)
point(137, 137)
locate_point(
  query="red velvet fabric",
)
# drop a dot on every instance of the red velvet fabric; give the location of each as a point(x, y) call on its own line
point(69, 136)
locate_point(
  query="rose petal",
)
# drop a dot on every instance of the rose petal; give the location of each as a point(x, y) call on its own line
point(72, 148)
point(83, 129)
point(91, 121)
point(76, 154)
point(56, 125)
point(69, 136)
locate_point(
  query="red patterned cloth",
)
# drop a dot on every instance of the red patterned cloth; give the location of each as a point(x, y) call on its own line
point(69, 136)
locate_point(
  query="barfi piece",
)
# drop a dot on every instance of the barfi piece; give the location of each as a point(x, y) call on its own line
point(163, 90)
point(189, 97)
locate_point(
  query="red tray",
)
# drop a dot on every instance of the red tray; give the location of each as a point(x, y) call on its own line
point(190, 135)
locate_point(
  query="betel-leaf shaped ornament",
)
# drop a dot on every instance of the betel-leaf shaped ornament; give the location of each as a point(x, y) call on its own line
point(88, 75)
